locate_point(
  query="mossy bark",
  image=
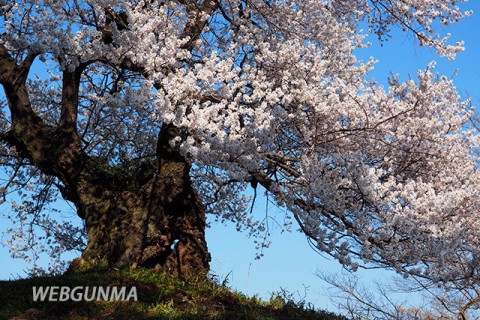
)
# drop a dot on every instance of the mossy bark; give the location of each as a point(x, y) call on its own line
point(160, 225)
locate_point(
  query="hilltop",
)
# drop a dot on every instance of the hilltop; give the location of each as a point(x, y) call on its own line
point(159, 296)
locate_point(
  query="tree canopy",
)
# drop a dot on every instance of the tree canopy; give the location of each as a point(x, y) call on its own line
point(245, 93)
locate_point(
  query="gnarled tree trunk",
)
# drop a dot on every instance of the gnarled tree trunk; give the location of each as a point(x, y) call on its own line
point(161, 224)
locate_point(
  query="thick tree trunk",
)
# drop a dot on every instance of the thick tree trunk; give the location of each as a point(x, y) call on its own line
point(158, 223)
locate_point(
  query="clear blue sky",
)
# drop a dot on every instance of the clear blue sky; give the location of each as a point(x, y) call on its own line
point(290, 263)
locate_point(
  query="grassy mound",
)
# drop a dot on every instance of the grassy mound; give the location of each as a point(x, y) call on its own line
point(160, 296)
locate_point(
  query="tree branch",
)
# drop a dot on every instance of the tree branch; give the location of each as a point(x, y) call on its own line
point(196, 21)
point(70, 92)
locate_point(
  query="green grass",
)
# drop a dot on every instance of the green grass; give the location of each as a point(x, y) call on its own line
point(160, 296)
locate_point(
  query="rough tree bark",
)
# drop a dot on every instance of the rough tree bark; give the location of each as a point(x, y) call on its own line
point(152, 219)
point(156, 221)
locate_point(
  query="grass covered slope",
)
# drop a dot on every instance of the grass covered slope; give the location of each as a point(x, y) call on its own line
point(160, 296)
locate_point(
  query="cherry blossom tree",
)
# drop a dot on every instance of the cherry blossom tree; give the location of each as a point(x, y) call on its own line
point(150, 114)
